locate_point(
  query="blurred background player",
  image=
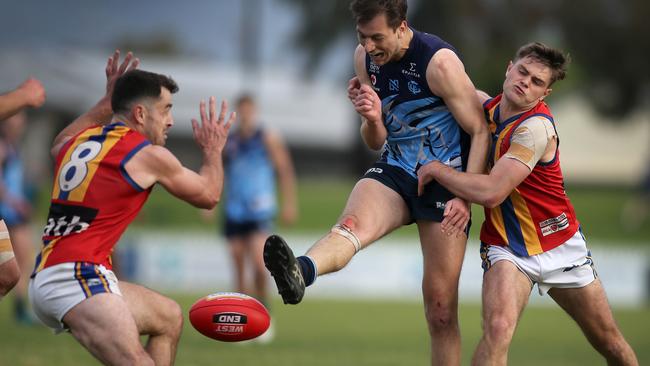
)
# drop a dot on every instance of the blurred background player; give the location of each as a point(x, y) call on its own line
point(530, 234)
point(254, 158)
point(416, 104)
point(107, 162)
point(16, 207)
point(29, 94)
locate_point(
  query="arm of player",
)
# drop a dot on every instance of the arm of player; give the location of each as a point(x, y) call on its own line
point(28, 94)
point(488, 190)
point(446, 78)
point(101, 112)
point(367, 103)
point(155, 164)
point(283, 164)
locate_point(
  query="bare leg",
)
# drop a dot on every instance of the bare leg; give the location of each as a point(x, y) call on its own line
point(372, 211)
point(443, 257)
point(157, 316)
point(237, 246)
point(588, 306)
point(505, 294)
point(104, 325)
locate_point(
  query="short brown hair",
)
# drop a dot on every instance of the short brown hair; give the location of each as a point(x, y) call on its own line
point(554, 58)
point(365, 10)
point(137, 84)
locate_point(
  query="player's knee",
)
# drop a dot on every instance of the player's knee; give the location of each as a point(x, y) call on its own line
point(612, 345)
point(499, 328)
point(9, 276)
point(173, 318)
point(441, 317)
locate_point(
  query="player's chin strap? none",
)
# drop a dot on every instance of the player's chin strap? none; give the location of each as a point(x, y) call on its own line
point(347, 233)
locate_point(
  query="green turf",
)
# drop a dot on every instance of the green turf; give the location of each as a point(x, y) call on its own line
point(319, 332)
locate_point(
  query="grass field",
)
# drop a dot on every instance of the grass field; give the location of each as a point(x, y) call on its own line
point(319, 332)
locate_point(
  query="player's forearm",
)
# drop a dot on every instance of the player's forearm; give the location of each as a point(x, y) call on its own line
point(212, 173)
point(373, 134)
point(471, 187)
point(478, 152)
point(11, 103)
point(287, 183)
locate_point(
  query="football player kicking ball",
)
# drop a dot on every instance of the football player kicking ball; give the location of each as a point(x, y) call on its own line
point(417, 104)
point(107, 162)
point(530, 234)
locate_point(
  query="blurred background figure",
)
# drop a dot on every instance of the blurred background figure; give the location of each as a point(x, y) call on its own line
point(255, 158)
point(636, 210)
point(16, 207)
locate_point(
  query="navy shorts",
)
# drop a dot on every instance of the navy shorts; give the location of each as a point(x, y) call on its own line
point(243, 228)
point(430, 206)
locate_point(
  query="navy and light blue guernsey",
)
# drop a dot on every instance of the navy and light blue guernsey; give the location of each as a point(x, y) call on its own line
point(420, 126)
point(250, 179)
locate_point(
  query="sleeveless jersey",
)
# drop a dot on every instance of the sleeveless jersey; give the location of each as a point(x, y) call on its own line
point(420, 126)
point(93, 199)
point(250, 179)
point(537, 216)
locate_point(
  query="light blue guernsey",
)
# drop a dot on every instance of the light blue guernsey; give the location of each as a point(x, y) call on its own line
point(420, 127)
point(250, 179)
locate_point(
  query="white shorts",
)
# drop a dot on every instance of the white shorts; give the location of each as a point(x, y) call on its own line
point(55, 290)
point(566, 266)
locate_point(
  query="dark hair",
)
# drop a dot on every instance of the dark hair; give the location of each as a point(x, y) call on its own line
point(138, 84)
point(364, 11)
point(245, 98)
point(554, 58)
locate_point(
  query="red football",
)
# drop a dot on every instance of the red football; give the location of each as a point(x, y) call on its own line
point(229, 317)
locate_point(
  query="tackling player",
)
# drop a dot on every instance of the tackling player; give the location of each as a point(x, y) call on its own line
point(531, 234)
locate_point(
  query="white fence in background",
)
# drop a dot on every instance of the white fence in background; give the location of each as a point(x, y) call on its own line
point(389, 269)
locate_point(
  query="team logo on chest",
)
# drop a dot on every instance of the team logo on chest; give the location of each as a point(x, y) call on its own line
point(414, 87)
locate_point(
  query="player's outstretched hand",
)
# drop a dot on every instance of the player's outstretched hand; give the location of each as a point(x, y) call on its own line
point(368, 104)
point(34, 92)
point(211, 134)
point(456, 217)
point(114, 69)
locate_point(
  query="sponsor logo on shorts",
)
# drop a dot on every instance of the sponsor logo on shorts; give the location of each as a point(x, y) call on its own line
point(554, 224)
point(375, 170)
point(230, 323)
point(441, 205)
